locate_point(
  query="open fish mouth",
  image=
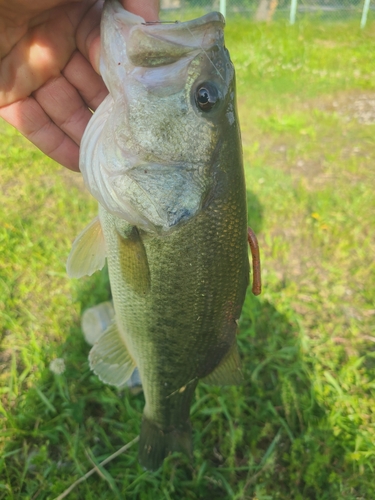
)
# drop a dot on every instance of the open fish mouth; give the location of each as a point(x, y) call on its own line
point(148, 151)
point(156, 43)
point(179, 39)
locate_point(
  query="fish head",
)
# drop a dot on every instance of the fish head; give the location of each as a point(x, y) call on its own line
point(150, 151)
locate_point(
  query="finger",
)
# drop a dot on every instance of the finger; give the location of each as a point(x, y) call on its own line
point(89, 84)
point(65, 107)
point(148, 10)
point(28, 117)
point(88, 35)
point(20, 11)
point(88, 32)
point(40, 54)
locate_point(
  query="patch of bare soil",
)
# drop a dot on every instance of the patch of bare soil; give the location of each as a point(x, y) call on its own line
point(5, 360)
point(72, 179)
point(363, 108)
point(358, 105)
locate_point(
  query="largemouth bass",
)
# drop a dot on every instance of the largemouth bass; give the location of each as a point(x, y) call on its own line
point(162, 155)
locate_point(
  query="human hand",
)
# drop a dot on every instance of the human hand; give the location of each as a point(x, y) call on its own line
point(49, 81)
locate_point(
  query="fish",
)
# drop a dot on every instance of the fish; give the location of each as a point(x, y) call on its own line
point(162, 156)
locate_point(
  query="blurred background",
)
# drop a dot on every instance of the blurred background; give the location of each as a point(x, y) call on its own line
point(302, 426)
point(268, 10)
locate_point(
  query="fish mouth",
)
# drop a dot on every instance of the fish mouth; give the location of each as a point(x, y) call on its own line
point(211, 17)
point(128, 154)
point(160, 43)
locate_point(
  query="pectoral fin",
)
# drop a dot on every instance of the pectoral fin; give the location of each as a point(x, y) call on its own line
point(110, 359)
point(134, 263)
point(88, 251)
point(228, 372)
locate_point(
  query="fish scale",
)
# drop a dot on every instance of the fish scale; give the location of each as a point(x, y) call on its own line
point(167, 172)
point(194, 302)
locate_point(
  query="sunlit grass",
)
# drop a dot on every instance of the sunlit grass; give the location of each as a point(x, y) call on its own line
point(302, 426)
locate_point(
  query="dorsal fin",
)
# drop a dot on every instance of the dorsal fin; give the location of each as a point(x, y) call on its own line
point(88, 251)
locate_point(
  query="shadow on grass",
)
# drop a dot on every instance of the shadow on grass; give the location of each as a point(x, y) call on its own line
point(245, 438)
point(284, 437)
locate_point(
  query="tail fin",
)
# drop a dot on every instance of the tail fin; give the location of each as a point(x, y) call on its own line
point(156, 444)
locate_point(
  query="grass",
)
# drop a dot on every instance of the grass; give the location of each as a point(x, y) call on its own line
point(303, 424)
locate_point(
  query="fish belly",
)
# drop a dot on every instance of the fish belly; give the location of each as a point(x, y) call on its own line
point(177, 298)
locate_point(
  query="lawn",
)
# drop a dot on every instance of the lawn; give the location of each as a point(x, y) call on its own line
point(303, 424)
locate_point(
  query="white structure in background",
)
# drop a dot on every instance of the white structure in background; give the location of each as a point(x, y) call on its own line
point(178, 4)
point(222, 6)
point(293, 12)
point(366, 7)
point(170, 4)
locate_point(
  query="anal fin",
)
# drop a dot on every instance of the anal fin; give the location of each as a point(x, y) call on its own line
point(228, 372)
point(110, 359)
point(88, 251)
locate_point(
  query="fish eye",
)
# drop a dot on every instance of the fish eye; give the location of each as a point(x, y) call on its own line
point(206, 96)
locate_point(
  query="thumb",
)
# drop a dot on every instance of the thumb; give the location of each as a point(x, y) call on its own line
point(149, 10)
